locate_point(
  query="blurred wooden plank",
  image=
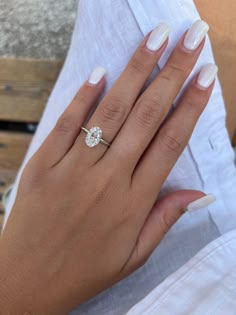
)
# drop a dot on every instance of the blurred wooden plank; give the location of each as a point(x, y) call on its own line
point(25, 85)
point(7, 178)
point(13, 146)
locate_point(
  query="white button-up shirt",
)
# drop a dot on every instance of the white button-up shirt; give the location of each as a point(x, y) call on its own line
point(189, 280)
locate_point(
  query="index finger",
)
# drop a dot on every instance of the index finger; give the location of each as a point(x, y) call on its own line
point(116, 105)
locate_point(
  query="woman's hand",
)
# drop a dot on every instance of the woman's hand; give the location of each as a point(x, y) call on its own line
point(84, 218)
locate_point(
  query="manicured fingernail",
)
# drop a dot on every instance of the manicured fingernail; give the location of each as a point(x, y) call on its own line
point(97, 75)
point(201, 203)
point(158, 36)
point(207, 75)
point(196, 34)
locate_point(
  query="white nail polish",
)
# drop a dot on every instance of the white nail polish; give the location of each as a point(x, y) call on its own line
point(195, 35)
point(201, 203)
point(158, 36)
point(97, 75)
point(207, 75)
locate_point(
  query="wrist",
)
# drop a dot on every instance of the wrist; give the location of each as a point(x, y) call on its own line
point(6, 302)
point(22, 289)
point(14, 289)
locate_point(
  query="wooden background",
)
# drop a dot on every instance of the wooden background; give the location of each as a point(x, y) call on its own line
point(24, 89)
point(25, 85)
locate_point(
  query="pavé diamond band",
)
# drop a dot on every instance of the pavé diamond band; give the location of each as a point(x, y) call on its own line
point(94, 137)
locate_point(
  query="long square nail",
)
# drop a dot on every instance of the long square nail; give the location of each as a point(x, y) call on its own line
point(195, 35)
point(158, 36)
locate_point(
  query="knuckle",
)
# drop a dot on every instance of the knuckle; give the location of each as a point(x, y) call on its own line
point(102, 190)
point(195, 101)
point(192, 110)
point(171, 144)
point(149, 112)
point(100, 194)
point(123, 217)
point(114, 110)
point(65, 123)
point(173, 70)
point(81, 100)
point(189, 102)
point(138, 64)
point(141, 261)
point(165, 222)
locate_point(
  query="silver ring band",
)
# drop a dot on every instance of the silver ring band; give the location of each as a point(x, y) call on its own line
point(94, 137)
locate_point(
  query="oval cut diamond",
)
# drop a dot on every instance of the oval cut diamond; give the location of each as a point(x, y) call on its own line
point(93, 137)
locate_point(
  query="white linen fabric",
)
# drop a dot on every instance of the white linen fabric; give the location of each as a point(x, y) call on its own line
point(106, 33)
point(205, 285)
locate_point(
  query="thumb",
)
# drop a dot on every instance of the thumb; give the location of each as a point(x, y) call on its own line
point(165, 212)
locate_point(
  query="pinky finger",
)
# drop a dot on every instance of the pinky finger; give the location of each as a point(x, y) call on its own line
point(175, 133)
point(178, 129)
point(67, 128)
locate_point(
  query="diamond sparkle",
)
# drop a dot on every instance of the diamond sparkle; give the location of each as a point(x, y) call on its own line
point(93, 137)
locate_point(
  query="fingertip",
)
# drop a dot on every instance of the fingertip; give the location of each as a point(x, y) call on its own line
point(207, 76)
point(201, 203)
point(195, 36)
point(158, 38)
point(97, 76)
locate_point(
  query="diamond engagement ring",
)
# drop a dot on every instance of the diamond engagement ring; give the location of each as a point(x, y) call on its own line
point(94, 137)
